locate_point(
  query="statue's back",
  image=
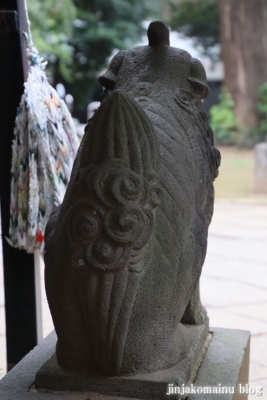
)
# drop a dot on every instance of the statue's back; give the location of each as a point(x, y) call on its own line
point(128, 245)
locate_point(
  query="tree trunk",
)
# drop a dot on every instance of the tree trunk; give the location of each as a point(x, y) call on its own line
point(243, 25)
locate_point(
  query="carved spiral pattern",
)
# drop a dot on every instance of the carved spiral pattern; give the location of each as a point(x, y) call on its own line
point(115, 183)
point(102, 254)
point(127, 224)
point(85, 223)
point(117, 217)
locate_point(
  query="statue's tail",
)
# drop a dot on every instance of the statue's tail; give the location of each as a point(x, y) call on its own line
point(111, 223)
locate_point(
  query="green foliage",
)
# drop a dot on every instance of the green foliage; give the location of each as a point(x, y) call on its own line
point(249, 137)
point(78, 36)
point(223, 121)
point(262, 108)
point(102, 26)
point(199, 20)
point(51, 23)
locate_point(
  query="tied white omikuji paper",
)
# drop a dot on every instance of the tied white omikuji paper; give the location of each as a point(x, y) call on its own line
point(43, 151)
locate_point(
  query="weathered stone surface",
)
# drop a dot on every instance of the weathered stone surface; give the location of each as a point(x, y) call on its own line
point(225, 362)
point(144, 386)
point(124, 252)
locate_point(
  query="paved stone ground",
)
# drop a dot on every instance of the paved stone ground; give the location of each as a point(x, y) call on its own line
point(234, 278)
point(233, 283)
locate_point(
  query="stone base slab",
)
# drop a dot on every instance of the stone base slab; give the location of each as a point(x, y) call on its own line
point(225, 363)
point(143, 386)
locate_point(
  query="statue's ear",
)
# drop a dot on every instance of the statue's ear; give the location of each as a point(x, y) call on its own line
point(108, 79)
point(198, 78)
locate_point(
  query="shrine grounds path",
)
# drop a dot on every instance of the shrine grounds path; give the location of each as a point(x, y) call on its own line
point(234, 277)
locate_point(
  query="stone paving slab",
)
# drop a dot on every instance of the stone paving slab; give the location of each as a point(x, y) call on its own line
point(237, 271)
point(218, 292)
point(236, 260)
point(256, 312)
point(222, 318)
point(259, 350)
point(257, 372)
point(246, 250)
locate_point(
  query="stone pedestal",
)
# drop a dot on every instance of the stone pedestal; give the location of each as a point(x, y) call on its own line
point(142, 386)
point(260, 151)
point(225, 364)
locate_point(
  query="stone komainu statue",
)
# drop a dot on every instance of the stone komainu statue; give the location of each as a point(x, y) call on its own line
point(125, 251)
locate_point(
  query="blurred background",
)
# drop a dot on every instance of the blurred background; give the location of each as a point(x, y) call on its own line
point(79, 37)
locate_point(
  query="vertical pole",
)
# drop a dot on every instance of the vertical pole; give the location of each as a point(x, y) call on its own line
point(38, 294)
point(21, 324)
